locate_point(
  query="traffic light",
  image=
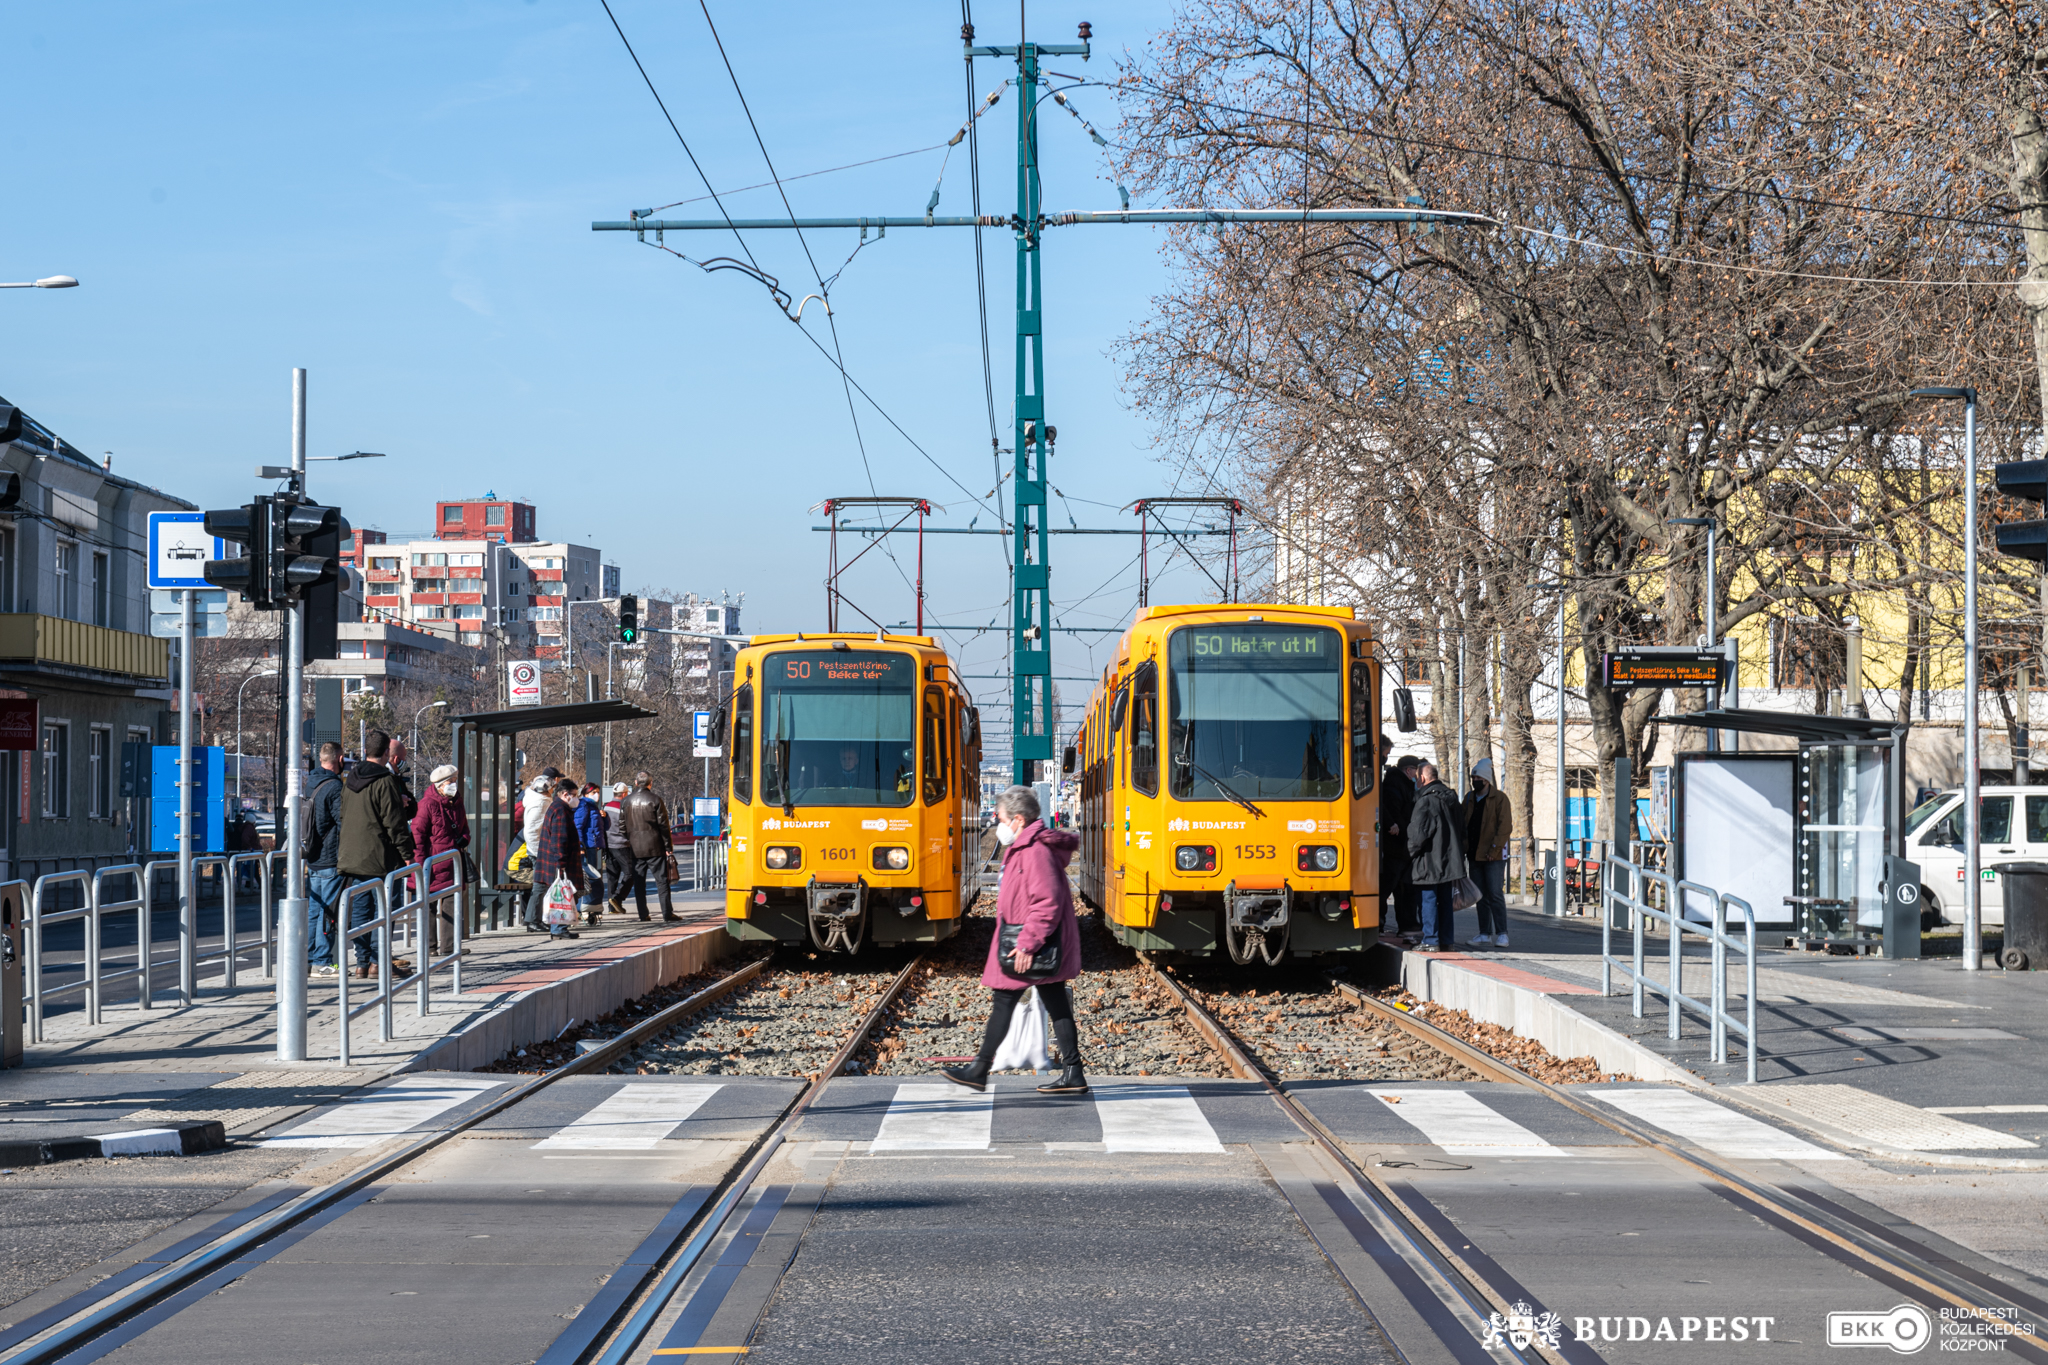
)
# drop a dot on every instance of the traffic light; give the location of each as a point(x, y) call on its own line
point(2027, 480)
point(323, 598)
point(248, 526)
point(304, 540)
point(629, 620)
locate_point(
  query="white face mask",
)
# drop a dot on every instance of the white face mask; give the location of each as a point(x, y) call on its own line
point(1006, 835)
point(450, 787)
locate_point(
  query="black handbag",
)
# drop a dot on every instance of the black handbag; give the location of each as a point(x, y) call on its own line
point(1044, 962)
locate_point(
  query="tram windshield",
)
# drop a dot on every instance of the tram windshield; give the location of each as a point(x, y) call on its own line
point(1255, 712)
point(838, 728)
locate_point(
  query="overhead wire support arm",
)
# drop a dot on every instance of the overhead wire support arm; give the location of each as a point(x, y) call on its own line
point(1072, 218)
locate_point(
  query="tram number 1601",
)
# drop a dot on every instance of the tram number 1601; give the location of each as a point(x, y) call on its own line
point(836, 855)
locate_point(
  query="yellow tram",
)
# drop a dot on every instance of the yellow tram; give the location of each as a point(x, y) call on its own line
point(1229, 791)
point(853, 766)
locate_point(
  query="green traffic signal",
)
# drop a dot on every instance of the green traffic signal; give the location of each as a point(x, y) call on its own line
point(629, 619)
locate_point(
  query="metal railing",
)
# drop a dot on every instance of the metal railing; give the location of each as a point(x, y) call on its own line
point(708, 864)
point(399, 918)
point(1623, 886)
point(96, 907)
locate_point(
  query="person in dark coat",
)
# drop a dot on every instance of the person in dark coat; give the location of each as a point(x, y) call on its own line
point(649, 841)
point(441, 826)
point(1036, 896)
point(322, 806)
point(618, 850)
point(1397, 887)
point(375, 838)
point(1436, 849)
point(1489, 828)
point(558, 854)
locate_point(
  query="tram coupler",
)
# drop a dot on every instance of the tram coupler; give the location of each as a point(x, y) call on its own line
point(837, 914)
point(1255, 921)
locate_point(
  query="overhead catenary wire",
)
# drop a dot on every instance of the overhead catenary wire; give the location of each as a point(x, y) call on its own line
point(719, 203)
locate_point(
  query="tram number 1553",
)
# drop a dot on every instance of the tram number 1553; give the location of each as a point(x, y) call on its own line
point(1251, 851)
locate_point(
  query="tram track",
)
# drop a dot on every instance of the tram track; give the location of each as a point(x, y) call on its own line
point(1888, 1255)
point(98, 1321)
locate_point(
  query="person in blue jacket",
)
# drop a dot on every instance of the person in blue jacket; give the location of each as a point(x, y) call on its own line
point(590, 826)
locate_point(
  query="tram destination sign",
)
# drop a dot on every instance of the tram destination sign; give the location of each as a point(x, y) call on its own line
point(1667, 668)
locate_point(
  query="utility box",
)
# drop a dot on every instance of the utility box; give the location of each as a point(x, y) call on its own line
point(1902, 908)
point(13, 924)
point(209, 816)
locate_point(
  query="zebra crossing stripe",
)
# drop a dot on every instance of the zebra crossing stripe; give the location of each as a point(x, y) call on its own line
point(1459, 1121)
point(1715, 1127)
point(1152, 1118)
point(929, 1118)
point(397, 1108)
point(635, 1117)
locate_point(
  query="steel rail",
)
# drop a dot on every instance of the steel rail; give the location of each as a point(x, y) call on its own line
point(627, 1340)
point(1454, 1272)
point(108, 1317)
point(1843, 1239)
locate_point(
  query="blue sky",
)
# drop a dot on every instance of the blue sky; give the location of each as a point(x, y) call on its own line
point(398, 197)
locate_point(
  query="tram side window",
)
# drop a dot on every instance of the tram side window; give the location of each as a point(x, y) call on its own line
point(1145, 730)
point(935, 746)
point(741, 754)
point(1364, 735)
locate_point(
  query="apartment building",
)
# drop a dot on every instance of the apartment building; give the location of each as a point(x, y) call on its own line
point(79, 673)
point(558, 575)
point(487, 518)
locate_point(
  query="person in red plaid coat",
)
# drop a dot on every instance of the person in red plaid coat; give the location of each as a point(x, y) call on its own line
point(558, 854)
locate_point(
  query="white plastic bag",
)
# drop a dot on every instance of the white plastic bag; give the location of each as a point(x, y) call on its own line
point(1025, 1044)
point(560, 905)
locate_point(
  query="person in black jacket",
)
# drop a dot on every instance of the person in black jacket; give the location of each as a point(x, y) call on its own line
point(1436, 846)
point(322, 804)
point(1397, 887)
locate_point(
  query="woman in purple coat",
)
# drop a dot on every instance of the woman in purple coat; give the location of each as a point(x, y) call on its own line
point(1036, 897)
point(438, 826)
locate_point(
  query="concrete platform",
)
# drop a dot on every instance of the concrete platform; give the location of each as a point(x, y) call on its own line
point(217, 1060)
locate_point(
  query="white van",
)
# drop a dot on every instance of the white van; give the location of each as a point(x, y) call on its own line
point(2015, 826)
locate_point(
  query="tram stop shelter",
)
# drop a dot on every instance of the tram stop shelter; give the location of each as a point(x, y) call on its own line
point(1812, 837)
point(487, 753)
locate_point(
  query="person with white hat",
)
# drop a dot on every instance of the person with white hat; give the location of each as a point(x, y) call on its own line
point(438, 827)
point(1489, 826)
point(618, 849)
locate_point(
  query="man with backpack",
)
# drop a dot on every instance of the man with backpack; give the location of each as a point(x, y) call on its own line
point(320, 838)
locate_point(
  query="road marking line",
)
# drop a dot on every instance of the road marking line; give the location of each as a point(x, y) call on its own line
point(1152, 1118)
point(1713, 1126)
point(1986, 1108)
point(396, 1109)
point(1461, 1122)
point(702, 1350)
point(925, 1118)
point(632, 1118)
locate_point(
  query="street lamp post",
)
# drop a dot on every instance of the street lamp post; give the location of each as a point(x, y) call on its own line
point(416, 730)
point(1973, 890)
point(47, 282)
point(268, 673)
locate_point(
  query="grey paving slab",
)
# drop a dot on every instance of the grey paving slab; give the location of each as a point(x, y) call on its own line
point(434, 1224)
point(40, 1104)
point(1629, 1237)
point(491, 1314)
point(1062, 1259)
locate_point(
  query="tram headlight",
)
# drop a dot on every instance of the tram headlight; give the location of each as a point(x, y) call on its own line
point(1316, 858)
point(892, 859)
point(1195, 858)
point(781, 858)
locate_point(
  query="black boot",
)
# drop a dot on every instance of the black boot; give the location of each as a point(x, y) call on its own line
point(671, 917)
point(1070, 1081)
point(974, 1075)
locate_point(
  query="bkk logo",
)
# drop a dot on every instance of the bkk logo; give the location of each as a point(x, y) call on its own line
point(1905, 1330)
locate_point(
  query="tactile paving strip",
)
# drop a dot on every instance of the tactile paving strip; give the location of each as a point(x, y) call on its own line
point(1888, 1121)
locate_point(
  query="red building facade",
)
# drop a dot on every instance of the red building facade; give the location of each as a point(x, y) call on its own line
point(487, 518)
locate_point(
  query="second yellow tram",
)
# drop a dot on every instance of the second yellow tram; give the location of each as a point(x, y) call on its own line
point(1229, 799)
point(853, 767)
